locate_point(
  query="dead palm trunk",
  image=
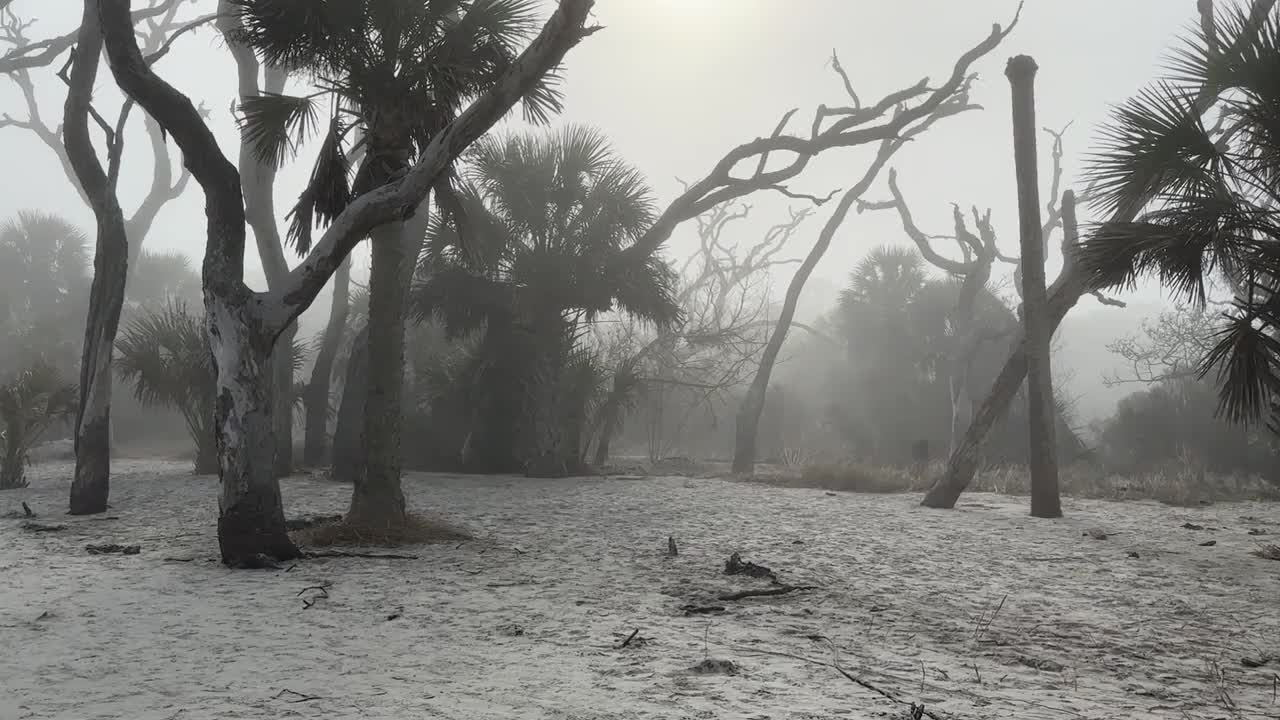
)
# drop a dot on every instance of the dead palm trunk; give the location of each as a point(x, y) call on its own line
point(91, 485)
point(1072, 284)
point(316, 434)
point(1045, 502)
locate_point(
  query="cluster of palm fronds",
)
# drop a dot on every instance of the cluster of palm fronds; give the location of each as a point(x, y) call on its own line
point(1196, 158)
point(30, 403)
point(368, 61)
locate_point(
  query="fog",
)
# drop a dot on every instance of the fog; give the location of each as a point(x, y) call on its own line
point(639, 359)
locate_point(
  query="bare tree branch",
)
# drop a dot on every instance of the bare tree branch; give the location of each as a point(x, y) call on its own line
point(28, 55)
point(890, 118)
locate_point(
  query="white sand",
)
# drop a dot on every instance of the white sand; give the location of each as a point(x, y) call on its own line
point(485, 631)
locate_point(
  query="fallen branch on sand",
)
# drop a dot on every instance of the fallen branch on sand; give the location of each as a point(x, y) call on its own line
point(779, 590)
point(917, 711)
point(345, 554)
point(42, 528)
point(702, 609)
point(297, 697)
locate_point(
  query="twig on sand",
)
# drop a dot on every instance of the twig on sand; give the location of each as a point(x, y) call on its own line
point(346, 554)
point(26, 510)
point(308, 602)
point(36, 527)
point(630, 637)
point(297, 697)
point(984, 623)
point(779, 590)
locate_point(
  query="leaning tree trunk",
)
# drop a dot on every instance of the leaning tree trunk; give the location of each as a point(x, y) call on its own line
point(1045, 502)
point(91, 486)
point(251, 514)
point(744, 449)
point(376, 498)
point(316, 401)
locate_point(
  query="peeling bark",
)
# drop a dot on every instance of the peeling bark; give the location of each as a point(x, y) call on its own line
point(251, 518)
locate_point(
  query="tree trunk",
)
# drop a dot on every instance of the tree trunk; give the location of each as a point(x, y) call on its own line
point(1045, 502)
point(91, 485)
point(251, 513)
point(282, 382)
point(348, 435)
point(377, 498)
point(315, 442)
point(602, 446)
point(90, 488)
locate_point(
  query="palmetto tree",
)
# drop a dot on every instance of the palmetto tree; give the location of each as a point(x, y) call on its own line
point(399, 70)
point(538, 254)
point(1197, 155)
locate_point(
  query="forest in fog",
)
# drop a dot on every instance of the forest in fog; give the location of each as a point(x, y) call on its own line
point(618, 290)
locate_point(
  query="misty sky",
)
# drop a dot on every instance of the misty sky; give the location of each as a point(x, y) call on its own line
point(677, 83)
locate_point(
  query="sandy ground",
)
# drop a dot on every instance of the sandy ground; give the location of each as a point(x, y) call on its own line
point(525, 622)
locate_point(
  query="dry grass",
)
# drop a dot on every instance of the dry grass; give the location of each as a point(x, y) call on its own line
point(416, 530)
point(1181, 486)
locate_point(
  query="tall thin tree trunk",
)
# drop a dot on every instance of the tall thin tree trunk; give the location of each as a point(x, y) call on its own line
point(91, 485)
point(1045, 502)
point(744, 449)
point(348, 435)
point(251, 512)
point(377, 498)
point(316, 435)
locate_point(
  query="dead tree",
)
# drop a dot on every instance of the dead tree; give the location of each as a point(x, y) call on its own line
point(717, 342)
point(1074, 282)
point(117, 239)
point(244, 325)
point(1045, 502)
point(913, 110)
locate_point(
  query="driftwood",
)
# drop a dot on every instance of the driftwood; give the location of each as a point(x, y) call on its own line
point(672, 549)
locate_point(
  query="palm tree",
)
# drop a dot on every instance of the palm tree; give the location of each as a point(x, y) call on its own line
point(29, 403)
point(1197, 157)
point(399, 70)
point(539, 254)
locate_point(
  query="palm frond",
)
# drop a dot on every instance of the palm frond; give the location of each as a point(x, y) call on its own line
point(328, 191)
point(275, 126)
